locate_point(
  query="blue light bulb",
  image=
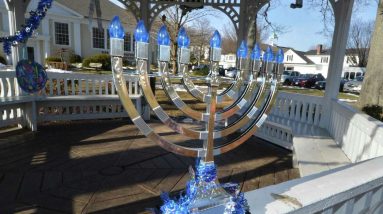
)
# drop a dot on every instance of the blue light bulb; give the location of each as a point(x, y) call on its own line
point(242, 50)
point(141, 34)
point(215, 41)
point(256, 53)
point(163, 37)
point(268, 56)
point(183, 40)
point(280, 56)
point(115, 29)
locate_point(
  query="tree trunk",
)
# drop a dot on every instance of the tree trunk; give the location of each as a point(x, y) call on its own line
point(372, 90)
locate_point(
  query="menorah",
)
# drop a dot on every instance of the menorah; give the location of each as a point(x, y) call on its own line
point(203, 191)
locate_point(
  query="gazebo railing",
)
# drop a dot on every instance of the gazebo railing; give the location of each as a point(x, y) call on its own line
point(359, 135)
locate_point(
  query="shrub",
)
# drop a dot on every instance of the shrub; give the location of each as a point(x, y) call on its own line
point(374, 111)
point(74, 58)
point(201, 71)
point(104, 59)
point(53, 59)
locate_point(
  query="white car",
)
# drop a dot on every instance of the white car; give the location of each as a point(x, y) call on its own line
point(231, 72)
point(354, 86)
point(288, 76)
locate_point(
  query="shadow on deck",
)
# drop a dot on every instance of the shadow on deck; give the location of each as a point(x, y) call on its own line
point(109, 167)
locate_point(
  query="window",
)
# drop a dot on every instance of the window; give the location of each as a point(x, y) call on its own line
point(290, 58)
point(128, 42)
point(98, 38)
point(346, 75)
point(61, 33)
point(324, 59)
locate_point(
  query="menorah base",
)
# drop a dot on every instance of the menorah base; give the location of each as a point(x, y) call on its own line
point(205, 195)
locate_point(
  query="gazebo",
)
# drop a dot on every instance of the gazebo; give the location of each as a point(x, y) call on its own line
point(328, 138)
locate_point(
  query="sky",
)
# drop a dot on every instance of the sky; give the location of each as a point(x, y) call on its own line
point(302, 26)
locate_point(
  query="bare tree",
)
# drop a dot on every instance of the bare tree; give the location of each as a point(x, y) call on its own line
point(359, 43)
point(200, 33)
point(229, 39)
point(176, 17)
point(372, 90)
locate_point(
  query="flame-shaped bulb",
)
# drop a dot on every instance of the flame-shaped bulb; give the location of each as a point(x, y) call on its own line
point(216, 41)
point(141, 34)
point(242, 50)
point(256, 53)
point(163, 37)
point(268, 56)
point(280, 56)
point(116, 30)
point(183, 39)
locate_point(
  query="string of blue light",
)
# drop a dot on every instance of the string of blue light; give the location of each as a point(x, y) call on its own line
point(31, 24)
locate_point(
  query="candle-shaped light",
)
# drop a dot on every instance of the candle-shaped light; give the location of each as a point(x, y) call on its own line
point(268, 56)
point(163, 41)
point(142, 41)
point(183, 42)
point(183, 39)
point(256, 59)
point(280, 56)
point(242, 50)
point(163, 37)
point(141, 34)
point(115, 29)
point(215, 47)
point(117, 34)
point(256, 53)
point(216, 41)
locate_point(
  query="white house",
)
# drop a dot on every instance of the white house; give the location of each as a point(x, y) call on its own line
point(228, 60)
point(317, 61)
point(66, 26)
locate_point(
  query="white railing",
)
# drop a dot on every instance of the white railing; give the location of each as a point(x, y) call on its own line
point(288, 110)
point(68, 96)
point(12, 113)
point(278, 134)
point(356, 188)
point(300, 108)
point(360, 136)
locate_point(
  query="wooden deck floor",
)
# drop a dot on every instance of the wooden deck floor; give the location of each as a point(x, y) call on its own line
point(109, 167)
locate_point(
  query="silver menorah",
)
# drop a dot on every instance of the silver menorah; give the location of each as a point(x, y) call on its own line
point(203, 192)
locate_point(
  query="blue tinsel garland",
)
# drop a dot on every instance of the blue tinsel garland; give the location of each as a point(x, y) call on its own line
point(205, 174)
point(31, 25)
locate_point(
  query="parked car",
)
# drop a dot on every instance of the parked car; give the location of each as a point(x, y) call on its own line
point(301, 80)
point(342, 82)
point(354, 86)
point(313, 79)
point(221, 71)
point(321, 85)
point(231, 72)
point(288, 76)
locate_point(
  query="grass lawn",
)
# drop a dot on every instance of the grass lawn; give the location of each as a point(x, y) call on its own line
point(315, 92)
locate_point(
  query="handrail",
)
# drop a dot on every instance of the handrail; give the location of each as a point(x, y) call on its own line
point(359, 135)
point(354, 188)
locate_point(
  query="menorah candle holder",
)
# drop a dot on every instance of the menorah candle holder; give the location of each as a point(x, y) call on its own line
point(203, 193)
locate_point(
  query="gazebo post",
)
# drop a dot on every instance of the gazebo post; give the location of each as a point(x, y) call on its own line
point(342, 10)
point(242, 22)
point(16, 12)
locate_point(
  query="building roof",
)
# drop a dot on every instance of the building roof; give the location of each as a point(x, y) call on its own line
point(108, 10)
point(302, 55)
point(328, 52)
